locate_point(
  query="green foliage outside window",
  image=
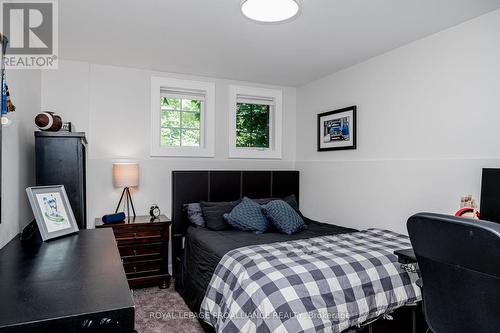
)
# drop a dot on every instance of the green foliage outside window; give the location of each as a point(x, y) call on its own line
point(180, 122)
point(252, 125)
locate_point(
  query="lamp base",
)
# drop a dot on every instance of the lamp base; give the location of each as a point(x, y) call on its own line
point(128, 202)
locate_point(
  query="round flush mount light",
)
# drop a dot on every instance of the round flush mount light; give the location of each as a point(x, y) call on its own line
point(270, 11)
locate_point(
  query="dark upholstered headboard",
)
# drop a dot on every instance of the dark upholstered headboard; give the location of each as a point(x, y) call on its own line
point(195, 186)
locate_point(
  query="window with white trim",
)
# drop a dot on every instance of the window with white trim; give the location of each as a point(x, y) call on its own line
point(182, 116)
point(255, 118)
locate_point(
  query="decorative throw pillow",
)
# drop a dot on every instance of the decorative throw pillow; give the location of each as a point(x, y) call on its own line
point(283, 217)
point(247, 216)
point(194, 214)
point(291, 200)
point(213, 213)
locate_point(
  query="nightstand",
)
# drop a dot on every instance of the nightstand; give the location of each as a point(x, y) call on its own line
point(143, 246)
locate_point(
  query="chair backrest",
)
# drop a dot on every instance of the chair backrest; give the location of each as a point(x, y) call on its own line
point(459, 261)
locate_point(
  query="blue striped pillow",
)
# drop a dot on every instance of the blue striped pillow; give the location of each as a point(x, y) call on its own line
point(283, 217)
point(247, 216)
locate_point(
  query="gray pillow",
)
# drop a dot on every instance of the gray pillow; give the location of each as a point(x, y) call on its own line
point(292, 201)
point(194, 214)
point(213, 213)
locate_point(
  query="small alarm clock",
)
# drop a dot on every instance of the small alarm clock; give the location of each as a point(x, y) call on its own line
point(154, 211)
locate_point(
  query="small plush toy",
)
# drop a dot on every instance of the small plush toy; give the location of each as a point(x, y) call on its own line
point(10, 106)
point(468, 208)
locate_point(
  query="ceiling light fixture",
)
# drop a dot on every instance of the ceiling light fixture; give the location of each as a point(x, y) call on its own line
point(270, 11)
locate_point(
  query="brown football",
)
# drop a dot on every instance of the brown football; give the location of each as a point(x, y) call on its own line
point(48, 121)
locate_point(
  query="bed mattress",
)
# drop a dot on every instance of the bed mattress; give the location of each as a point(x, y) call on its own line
point(205, 248)
point(321, 284)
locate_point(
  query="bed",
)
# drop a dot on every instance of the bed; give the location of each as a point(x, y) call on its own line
point(204, 249)
point(197, 251)
point(202, 258)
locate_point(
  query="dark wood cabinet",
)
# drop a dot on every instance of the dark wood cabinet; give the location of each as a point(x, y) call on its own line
point(61, 159)
point(143, 246)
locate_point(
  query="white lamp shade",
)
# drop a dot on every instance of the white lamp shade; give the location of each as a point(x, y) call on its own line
point(126, 174)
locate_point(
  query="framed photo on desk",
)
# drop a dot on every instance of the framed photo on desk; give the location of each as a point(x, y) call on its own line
point(52, 211)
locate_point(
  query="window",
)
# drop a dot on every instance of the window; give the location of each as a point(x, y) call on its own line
point(182, 118)
point(252, 125)
point(255, 116)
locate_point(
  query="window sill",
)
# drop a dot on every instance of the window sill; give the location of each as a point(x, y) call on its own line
point(181, 152)
point(250, 153)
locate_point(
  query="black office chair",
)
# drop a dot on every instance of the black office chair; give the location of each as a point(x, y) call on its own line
point(459, 261)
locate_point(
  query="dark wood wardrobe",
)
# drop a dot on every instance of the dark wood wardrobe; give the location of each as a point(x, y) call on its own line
point(61, 159)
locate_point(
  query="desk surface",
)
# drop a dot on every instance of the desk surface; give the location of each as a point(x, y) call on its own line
point(71, 276)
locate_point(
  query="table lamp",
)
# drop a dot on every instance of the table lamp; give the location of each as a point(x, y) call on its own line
point(126, 175)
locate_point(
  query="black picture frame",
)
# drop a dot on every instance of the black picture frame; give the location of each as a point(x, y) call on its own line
point(350, 112)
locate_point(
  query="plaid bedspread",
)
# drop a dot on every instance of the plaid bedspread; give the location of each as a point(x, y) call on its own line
point(325, 284)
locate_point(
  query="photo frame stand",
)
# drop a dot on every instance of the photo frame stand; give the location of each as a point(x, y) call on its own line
point(31, 233)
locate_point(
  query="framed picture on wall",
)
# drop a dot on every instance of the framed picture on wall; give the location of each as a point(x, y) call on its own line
point(337, 129)
point(52, 211)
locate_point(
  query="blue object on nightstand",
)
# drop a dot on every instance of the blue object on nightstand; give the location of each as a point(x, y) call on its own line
point(113, 218)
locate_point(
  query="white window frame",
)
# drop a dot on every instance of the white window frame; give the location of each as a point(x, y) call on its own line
point(207, 117)
point(275, 122)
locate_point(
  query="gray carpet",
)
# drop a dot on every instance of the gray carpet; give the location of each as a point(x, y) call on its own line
point(163, 310)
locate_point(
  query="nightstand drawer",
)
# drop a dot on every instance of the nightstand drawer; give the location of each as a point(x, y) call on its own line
point(149, 231)
point(134, 269)
point(140, 252)
point(130, 241)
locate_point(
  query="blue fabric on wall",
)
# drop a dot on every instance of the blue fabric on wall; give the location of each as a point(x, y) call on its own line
point(283, 217)
point(247, 216)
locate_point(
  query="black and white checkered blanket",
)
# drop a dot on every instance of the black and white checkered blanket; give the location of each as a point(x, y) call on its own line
point(325, 284)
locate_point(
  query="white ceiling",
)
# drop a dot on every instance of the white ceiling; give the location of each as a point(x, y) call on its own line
point(212, 38)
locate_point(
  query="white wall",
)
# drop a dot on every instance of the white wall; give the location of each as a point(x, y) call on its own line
point(427, 124)
point(428, 117)
point(18, 171)
point(112, 105)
